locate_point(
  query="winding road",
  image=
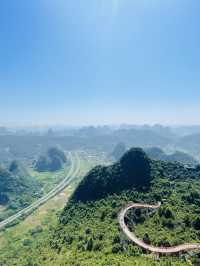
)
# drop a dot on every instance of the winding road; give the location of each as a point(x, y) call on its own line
point(73, 172)
point(140, 243)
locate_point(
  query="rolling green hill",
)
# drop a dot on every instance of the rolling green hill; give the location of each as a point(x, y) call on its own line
point(133, 170)
point(88, 233)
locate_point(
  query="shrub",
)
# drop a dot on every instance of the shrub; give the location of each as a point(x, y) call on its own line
point(89, 245)
point(116, 239)
point(146, 239)
point(196, 223)
point(97, 246)
point(117, 248)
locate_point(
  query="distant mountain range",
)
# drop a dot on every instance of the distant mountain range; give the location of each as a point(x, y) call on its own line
point(157, 154)
point(26, 147)
point(177, 156)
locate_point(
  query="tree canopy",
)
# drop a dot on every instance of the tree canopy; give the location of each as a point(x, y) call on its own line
point(133, 170)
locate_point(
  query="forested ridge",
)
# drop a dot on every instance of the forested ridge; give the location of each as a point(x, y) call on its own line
point(88, 233)
point(133, 170)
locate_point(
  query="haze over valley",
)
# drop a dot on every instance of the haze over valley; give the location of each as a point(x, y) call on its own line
point(99, 133)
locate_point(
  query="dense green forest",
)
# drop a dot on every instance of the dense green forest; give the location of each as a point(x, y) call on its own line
point(88, 233)
point(133, 170)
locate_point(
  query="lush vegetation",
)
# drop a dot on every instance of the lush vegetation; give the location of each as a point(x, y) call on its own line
point(178, 219)
point(88, 232)
point(133, 170)
point(52, 161)
point(17, 188)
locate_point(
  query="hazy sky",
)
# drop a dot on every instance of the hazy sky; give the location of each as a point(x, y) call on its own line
point(99, 61)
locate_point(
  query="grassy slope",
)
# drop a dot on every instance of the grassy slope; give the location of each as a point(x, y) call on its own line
point(12, 239)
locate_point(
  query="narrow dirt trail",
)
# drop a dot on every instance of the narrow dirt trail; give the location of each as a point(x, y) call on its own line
point(140, 243)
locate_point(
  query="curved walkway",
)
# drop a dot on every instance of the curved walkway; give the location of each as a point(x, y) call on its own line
point(140, 243)
point(73, 172)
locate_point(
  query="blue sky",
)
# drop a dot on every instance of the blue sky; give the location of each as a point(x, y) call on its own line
point(99, 62)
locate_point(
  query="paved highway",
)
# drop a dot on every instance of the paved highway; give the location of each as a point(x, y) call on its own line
point(73, 172)
point(140, 243)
